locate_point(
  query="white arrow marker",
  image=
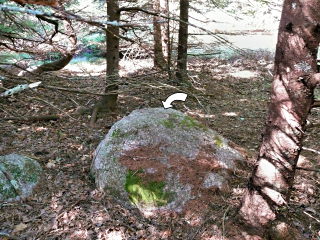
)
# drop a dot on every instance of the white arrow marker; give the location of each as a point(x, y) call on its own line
point(174, 97)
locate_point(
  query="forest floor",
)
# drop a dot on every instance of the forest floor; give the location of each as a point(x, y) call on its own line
point(230, 96)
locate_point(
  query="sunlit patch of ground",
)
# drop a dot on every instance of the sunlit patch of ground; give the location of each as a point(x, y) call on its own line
point(132, 66)
point(127, 67)
point(244, 74)
point(86, 68)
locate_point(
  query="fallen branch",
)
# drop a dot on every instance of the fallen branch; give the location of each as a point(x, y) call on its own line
point(309, 215)
point(73, 90)
point(316, 104)
point(312, 125)
point(308, 169)
point(23, 87)
point(19, 88)
point(32, 118)
point(311, 150)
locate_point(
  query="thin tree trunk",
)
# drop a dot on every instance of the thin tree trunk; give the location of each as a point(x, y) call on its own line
point(165, 34)
point(112, 53)
point(109, 102)
point(159, 60)
point(291, 101)
point(166, 43)
point(181, 73)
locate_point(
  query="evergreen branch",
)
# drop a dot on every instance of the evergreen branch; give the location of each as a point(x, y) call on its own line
point(63, 15)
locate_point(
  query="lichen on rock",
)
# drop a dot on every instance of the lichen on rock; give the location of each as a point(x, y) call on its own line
point(18, 176)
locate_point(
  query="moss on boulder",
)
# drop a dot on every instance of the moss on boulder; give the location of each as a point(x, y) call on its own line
point(161, 159)
point(18, 176)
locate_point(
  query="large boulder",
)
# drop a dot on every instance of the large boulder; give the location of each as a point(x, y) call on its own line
point(161, 159)
point(18, 176)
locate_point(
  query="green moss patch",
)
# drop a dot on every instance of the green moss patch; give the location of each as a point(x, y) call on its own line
point(6, 190)
point(168, 123)
point(218, 141)
point(150, 194)
point(189, 122)
point(118, 133)
point(19, 176)
point(186, 122)
point(28, 172)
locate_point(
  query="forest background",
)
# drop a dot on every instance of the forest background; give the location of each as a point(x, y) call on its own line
point(231, 49)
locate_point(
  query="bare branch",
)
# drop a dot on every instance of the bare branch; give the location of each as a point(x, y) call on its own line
point(63, 15)
point(213, 34)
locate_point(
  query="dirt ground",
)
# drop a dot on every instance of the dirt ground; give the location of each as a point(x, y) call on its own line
point(230, 96)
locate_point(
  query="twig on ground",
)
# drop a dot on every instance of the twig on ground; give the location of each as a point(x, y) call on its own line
point(73, 90)
point(312, 125)
point(316, 104)
point(32, 118)
point(308, 169)
point(311, 150)
point(53, 106)
point(309, 215)
point(223, 221)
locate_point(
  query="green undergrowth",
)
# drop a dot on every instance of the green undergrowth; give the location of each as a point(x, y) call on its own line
point(149, 194)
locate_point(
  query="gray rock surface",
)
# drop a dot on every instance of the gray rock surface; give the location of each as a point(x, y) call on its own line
point(18, 176)
point(160, 159)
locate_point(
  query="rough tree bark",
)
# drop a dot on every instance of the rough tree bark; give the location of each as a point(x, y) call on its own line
point(181, 73)
point(159, 60)
point(295, 77)
point(112, 54)
point(109, 102)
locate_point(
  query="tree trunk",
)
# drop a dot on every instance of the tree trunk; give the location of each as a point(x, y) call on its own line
point(109, 102)
point(166, 41)
point(165, 30)
point(293, 85)
point(159, 60)
point(112, 53)
point(181, 73)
